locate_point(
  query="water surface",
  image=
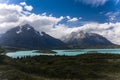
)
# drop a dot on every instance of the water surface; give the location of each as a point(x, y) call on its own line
point(71, 52)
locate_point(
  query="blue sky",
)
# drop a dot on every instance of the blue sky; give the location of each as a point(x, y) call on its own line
point(75, 8)
point(59, 18)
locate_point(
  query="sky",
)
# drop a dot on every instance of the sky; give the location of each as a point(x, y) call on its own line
point(61, 17)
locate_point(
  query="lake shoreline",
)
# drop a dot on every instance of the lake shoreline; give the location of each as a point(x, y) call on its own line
point(71, 52)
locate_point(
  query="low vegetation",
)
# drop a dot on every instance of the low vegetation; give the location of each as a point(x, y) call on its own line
point(2, 51)
point(91, 66)
point(46, 51)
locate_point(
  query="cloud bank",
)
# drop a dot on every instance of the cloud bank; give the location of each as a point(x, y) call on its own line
point(12, 15)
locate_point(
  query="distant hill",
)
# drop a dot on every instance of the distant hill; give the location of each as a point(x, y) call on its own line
point(86, 39)
point(27, 37)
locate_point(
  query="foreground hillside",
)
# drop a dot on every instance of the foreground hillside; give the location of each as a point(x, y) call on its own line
point(83, 67)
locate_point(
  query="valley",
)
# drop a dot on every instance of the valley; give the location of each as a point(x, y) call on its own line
point(32, 55)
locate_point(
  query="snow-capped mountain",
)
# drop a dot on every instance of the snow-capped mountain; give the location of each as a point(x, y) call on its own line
point(82, 38)
point(27, 37)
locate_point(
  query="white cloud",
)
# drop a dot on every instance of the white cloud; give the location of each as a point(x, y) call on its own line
point(94, 3)
point(44, 14)
point(29, 8)
point(23, 4)
point(5, 8)
point(68, 17)
point(72, 19)
point(109, 30)
point(12, 15)
point(62, 30)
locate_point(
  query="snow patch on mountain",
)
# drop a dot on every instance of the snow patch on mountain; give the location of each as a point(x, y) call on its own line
point(19, 31)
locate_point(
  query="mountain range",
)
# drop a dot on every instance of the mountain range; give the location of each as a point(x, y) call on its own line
point(27, 37)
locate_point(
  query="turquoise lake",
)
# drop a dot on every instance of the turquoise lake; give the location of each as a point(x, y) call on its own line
point(72, 52)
